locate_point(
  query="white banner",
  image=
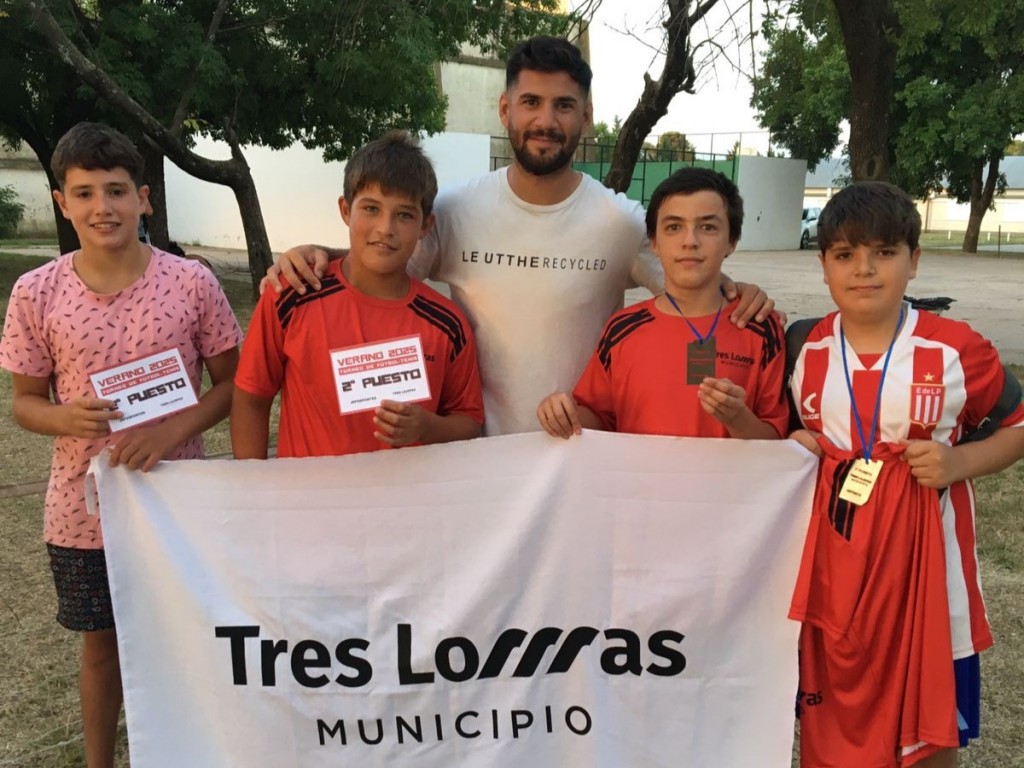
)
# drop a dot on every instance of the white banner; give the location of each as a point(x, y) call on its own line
point(610, 600)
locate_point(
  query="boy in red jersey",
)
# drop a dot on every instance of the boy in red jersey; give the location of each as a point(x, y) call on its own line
point(667, 366)
point(889, 588)
point(369, 328)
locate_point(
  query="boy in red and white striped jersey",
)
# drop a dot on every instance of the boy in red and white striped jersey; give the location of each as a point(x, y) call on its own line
point(886, 394)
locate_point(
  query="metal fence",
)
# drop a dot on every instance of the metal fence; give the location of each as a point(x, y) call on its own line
point(653, 165)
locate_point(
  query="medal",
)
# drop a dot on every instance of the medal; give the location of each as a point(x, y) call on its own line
point(861, 479)
point(700, 354)
point(700, 360)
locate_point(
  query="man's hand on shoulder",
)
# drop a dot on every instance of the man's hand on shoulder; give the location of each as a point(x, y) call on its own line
point(301, 266)
point(754, 304)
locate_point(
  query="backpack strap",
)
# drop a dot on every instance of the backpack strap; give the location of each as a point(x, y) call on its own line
point(796, 336)
point(1007, 403)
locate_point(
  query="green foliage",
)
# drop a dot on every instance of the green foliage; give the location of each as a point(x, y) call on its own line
point(672, 146)
point(959, 92)
point(962, 92)
point(1015, 147)
point(327, 73)
point(11, 211)
point(802, 92)
point(601, 147)
point(40, 99)
point(330, 74)
point(608, 134)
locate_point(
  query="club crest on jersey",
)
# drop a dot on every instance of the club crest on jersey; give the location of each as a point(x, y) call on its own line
point(926, 404)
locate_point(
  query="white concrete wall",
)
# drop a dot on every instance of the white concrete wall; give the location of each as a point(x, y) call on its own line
point(21, 170)
point(34, 193)
point(298, 192)
point(473, 92)
point(773, 195)
point(941, 213)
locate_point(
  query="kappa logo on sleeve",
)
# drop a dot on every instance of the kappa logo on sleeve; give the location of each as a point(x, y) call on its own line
point(809, 409)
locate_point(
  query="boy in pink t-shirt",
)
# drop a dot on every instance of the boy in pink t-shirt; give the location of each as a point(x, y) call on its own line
point(113, 301)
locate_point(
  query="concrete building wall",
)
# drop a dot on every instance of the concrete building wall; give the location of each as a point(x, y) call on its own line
point(938, 213)
point(941, 213)
point(473, 86)
point(298, 192)
point(21, 170)
point(773, 193)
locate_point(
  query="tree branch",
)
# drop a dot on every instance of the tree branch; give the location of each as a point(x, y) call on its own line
point(179, 113)
point(701, 11)
point(219, 171)
point(678, 74)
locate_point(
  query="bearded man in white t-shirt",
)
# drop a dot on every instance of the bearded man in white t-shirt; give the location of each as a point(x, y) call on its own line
point(537, 254)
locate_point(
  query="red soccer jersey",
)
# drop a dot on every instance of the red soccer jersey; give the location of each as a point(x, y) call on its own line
point(288, 347)
point(636, 379)
point(876, 672)
point(942, 377)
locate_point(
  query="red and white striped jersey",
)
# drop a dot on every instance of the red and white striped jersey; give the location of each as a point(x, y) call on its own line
point(943, 377)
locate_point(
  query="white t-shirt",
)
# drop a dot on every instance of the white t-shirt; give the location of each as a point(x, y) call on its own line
point(537, 283)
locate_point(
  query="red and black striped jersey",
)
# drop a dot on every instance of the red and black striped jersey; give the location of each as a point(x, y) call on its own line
point(636, 379)
point(288, 348)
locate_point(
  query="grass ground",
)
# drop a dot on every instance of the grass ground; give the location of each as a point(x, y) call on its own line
point(40, 725)
point(954, 239)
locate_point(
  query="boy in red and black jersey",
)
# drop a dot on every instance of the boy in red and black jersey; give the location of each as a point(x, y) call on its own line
point(667, 366)
point(298, 343)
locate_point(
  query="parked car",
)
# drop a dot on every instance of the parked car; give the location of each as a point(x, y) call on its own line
point(809, 227)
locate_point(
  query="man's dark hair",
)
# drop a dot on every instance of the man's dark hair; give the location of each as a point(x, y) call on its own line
point(548, 54)
point(869, 212)
point(396, 163)
point(688, 181)
point(95, 146)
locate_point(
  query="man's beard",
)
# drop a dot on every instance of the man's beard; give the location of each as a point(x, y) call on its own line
point(542, 166)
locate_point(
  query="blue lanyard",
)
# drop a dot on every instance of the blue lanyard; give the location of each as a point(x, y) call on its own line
point(700, 339)
point(868, 447)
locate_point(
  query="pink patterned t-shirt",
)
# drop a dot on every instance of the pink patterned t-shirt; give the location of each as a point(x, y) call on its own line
point(57, 328)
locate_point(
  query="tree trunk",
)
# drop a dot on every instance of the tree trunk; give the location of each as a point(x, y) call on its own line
point(154, 178)
point(868, 27)
point(631, 140)
point(67, 238)
point(260, 255)
point(981, 201)
point(233, 173)
point(678, 75)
